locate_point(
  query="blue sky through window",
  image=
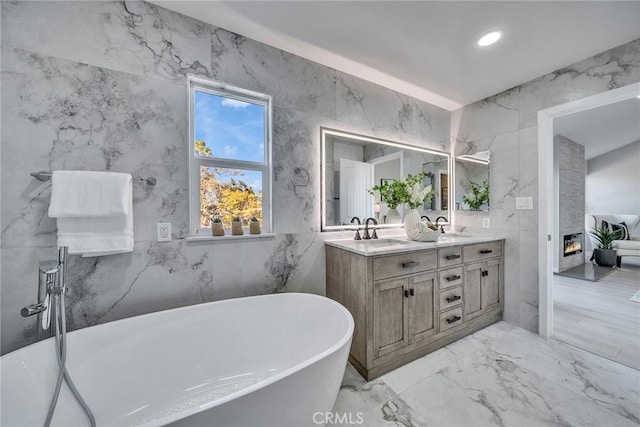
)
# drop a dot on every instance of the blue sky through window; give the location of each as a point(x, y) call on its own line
point(231, 129)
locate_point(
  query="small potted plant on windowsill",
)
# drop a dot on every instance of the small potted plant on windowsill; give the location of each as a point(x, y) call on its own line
point(604, 254)
point(236, 226)
point(254, 225)
point(216, 227)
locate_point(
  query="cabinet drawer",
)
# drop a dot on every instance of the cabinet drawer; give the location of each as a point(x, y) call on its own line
point(450, 277)
point(398, 265)
point(450, 298)
point(450, 318)
point(482, 251)
point(449, 256)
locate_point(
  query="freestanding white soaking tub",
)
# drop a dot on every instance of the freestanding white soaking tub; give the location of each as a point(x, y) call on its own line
point(272, 360)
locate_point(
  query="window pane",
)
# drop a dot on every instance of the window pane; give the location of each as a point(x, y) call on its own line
point(227, 193)
point(228, 128)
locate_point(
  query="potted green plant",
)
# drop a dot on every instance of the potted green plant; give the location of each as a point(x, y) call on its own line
point(604, 254)
point(236, 226)
point(478, 196)
point(391, 193)
point(407, 191)
point(216, 226)
point(254, 225)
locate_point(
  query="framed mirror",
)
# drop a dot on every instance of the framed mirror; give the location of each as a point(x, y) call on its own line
point(472, 181)
point(352, 164)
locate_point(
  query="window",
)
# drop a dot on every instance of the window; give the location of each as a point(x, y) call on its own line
point(229, 155)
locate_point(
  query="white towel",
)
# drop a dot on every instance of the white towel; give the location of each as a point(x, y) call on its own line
point(94, 212)
point(89, 194)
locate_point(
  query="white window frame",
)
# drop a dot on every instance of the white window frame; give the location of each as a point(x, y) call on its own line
point(196, 162)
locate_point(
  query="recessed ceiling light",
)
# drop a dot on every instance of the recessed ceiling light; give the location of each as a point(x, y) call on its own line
point(489, 38)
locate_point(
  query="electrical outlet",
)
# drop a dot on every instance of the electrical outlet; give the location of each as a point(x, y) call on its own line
point(164, 232)
point(524, 203)
point(486, 223)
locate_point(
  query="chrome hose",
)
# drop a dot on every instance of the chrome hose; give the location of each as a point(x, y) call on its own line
point(61, 348)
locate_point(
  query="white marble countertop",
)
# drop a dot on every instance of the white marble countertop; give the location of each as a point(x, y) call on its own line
point(400, 243)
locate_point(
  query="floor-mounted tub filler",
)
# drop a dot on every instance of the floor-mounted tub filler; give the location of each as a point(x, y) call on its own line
point(272, 360)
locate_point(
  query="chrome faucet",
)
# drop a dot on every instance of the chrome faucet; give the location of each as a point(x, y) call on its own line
point(357, 237)
point(47, 279)
point(366, 229)
point(442, 226)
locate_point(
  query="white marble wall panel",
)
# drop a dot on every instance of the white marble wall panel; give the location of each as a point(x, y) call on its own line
point(609, 70)
point(490, 116)
point(389, 115)
point(295, 83)
point(515, 111)
point(528, 279)
point(528, 183)
point(130, 36)
point(296, 172)
point(504, 180)
point(59, 114)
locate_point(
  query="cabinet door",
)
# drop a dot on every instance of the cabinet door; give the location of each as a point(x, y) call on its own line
point(473, 304)
point(491, 285)
point(422, 307)
point(389, 316)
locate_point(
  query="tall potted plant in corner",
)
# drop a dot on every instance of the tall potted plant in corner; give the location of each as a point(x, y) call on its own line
point(604, 254)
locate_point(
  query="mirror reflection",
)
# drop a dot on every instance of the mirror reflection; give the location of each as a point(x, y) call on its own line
point(472, 181)
point(353, 164)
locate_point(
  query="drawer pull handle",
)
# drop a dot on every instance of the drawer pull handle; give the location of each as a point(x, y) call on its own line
point(485, 273)
point(410, 264)
point(412, 292)
point(453, 319)
point(406, 293)
point(450, 257)
point(486, 251)
point(453, 298)
point(451, 278)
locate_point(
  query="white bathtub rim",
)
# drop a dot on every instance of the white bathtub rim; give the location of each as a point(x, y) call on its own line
point(235, 395)
point(272, 379)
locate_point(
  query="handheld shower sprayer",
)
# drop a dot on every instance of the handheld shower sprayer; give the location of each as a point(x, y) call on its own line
point(51, 290)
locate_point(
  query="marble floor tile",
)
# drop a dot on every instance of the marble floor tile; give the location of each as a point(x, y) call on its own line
point(358, 395)
point(485, 389)
point(394, 412)
point(604, 382)
point(412, 373)
point(502, 375)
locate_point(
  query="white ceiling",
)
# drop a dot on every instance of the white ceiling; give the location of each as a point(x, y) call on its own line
point(427, 49)
point(602, 129)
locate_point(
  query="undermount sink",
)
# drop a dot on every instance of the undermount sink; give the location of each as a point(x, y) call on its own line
point(383, 242)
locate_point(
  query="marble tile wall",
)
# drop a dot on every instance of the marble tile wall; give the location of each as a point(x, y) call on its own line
point(506, 124)
point(102, 86)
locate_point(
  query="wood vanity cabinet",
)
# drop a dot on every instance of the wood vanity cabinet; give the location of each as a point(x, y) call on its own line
point(408, 304)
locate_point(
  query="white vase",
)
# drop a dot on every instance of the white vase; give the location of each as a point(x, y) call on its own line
point(392, 217)
point(416, 229)
point(410, 220)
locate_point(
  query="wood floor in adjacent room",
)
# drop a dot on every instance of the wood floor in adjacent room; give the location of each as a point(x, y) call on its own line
point(598, 316)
